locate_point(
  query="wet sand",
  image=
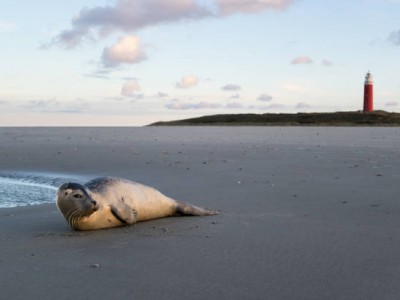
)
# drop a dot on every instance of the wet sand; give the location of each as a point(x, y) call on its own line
point(306, 213)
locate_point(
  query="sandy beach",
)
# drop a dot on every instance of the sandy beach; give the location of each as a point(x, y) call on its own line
point(306, 213)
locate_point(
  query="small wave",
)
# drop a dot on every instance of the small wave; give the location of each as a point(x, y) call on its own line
point(24, 189)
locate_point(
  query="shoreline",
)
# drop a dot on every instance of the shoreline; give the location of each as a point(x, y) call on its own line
point(306, 213)
point(375, 118)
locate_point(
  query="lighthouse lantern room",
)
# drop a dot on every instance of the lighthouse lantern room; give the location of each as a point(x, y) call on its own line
point(368, 93)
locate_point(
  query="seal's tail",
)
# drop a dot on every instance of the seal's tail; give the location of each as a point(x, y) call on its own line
point(187, 209)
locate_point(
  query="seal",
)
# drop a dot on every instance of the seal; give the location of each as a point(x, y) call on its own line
point(108, 202)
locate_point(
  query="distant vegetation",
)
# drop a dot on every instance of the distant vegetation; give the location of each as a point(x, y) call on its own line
point(375, 118)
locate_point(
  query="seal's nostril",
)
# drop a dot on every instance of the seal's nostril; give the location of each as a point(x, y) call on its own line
point(94, 202)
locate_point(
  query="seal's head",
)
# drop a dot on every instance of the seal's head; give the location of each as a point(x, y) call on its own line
point(74, 202)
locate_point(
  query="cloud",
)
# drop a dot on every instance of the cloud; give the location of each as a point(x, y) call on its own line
point(42, 104)
point(97, 75)
point(264, 97)
point(128, 16)
point(231, 87)
point(237, 96)
point(126, 51)
point(132, 15)
point(301, 60)
point(130, 88)
point(394, 38)
point(327, 62)
point(302, 105)
point(228, 7)
point(392, 104)
point(176, 104)
point(70, 38)
point(162, 95)
point(2, 102)
point(179, 105)
point(275, 106)
point(187, 82)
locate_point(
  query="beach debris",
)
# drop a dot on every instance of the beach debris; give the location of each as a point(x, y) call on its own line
point(69, 234)
point(165, 230)
point(95, 266)
point(44, 234)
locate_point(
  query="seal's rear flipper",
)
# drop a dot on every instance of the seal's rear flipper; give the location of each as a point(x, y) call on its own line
point(187, 209)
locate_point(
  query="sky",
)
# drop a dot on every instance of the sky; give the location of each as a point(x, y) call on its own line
point(134, 62)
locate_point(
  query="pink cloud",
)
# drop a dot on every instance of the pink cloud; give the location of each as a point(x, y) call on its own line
point(126, 51)
point(187, 82)
point(301, 60)
point(130, 88)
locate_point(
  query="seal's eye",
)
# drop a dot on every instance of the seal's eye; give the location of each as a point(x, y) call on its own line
point(78, 196)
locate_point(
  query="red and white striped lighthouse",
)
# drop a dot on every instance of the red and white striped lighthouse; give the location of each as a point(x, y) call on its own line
point(368, 93)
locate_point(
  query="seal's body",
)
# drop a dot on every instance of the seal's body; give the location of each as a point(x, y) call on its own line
point(111, 202)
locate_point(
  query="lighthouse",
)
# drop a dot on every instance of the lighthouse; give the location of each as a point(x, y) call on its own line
point(368, 93)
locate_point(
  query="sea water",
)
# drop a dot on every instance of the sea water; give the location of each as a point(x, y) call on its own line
point(23, 189)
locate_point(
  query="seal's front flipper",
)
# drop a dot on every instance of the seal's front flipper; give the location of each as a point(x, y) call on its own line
point(124, 213)
point(187, 209)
